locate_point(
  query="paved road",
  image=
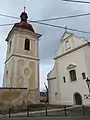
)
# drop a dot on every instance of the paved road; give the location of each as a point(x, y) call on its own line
point(47, 118)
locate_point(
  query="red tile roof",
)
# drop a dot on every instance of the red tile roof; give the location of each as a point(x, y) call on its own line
point(23, 23)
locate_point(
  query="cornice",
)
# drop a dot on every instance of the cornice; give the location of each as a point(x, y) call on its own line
point(23, 56)
point(77, 48)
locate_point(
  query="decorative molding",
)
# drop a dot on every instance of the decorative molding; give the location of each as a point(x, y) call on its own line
point(21, 62)
point(27, 73)
point(24, 56)
point(22, 30)
point(71, 66)
point(51, 78)
point(66, 35)
point(12, 88)
point(77, 48)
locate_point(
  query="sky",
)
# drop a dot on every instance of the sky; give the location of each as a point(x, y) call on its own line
point(43, 9)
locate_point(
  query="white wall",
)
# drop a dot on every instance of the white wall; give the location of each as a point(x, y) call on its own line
point(87, 59)
point(52, 91)
point(52, 86)
point(79, 57)
point(69, 88)
point(15, 70)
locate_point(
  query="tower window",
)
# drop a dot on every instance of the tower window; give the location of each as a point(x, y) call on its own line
point(83, 75)
point(64, 79)
point(27, 44)
point(73, 75)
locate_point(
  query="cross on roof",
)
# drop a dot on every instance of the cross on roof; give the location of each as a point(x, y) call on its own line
point(25, 5)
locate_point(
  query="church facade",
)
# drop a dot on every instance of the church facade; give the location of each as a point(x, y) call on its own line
point(22, 58)
point(67, 80)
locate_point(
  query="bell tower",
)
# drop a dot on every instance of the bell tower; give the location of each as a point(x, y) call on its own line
point(22, 58)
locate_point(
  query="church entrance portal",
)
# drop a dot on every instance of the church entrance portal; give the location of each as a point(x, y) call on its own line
point(78, 99)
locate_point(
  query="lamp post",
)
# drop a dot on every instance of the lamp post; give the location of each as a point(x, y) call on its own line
point(46, 93)
point(88, 84)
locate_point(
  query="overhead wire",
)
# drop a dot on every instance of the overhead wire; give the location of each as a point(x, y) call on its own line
point(87, 2)
point(61, 27)
point(64, 17)
point(50, 25)
point(51, 19)
point(9, 16)
point(6, 24)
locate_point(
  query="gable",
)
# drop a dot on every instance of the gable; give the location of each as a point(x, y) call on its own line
point(71, 66)
point(70, 43)
point(66, 35)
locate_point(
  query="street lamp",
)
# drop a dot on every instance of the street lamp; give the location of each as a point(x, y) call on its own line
point(47, 93)
point(88, 84)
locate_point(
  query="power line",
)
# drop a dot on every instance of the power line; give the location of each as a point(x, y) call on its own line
point(51, 25)
point(6, 24)
point(51, 19)
point(9, 16)
point(46, 24)
point(64, 17)
point(77, 1)
point(61, 27)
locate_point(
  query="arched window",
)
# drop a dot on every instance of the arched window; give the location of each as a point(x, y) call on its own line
point(27, 44)
point(73, 75)
point(67, 45)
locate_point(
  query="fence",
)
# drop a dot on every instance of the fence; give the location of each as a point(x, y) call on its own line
point(49, 110)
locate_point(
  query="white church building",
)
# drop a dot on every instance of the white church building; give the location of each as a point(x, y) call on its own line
point(67, 80)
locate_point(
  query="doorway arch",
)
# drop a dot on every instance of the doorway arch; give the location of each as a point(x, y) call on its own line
point(78, 99)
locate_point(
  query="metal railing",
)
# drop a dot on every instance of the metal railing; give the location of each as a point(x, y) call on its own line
point(50, 110)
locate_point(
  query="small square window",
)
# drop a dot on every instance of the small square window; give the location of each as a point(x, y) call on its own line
point(64, 79)
point(83, 75)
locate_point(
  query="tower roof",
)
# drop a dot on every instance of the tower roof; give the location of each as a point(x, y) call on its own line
point(23, 23)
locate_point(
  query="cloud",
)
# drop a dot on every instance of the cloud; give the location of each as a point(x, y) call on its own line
point(44, 69)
